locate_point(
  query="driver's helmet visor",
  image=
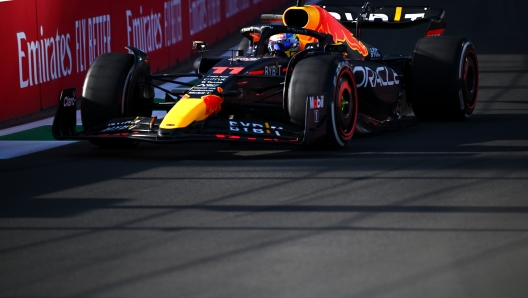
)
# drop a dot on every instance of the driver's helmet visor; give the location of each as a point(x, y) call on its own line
point(283, 42)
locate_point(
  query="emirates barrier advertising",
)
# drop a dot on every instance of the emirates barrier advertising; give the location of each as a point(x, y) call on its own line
point(48, 45)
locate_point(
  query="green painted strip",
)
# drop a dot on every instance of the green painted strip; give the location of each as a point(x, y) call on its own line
point(41, 133)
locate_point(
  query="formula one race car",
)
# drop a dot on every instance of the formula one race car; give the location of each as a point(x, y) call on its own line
point(306, 80)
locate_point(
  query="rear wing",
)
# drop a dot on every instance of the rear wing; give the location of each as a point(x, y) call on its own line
point(340, 21)
point(386, 17)
point(355, 17)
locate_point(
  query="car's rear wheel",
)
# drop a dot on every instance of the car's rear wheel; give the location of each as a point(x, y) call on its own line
point(444, 78)
point(344, 110)
point(333, 76)
point(105, 96)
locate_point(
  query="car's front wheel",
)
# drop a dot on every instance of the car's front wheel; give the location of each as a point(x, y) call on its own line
point(105, 96)
point(333, 76)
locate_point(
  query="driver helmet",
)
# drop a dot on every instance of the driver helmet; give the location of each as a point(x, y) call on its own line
point(285, 42)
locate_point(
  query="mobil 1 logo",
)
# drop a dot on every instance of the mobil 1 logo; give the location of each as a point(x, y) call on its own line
point(316, 105)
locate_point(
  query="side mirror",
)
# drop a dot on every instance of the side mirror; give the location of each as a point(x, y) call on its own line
point(200, 46)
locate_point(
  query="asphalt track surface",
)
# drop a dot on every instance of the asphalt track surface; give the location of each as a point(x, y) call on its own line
point(434, 210)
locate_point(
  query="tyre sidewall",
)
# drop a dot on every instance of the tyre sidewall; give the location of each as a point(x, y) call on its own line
point(317, 75)
point(343, 82)
point(438, 85)
point(104, 93)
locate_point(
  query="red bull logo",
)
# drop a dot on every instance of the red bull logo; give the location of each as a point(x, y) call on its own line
point(322, 21)
point(213, 104)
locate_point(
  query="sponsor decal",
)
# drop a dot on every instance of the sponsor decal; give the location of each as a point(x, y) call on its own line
point(316, 101)
point(377, 17)
point(47, 59)
point(382, 76)
point(296, 31)
point(414, 16)
point(173, 22)
point(207, 85)
point(273, 70)
point(213, 104)
point(245, 59)
point(375, 54)
point(258, 128)
point(92, 38)
point(125, 125)
point(69, 101)
point(57, 55)
point(144, 32)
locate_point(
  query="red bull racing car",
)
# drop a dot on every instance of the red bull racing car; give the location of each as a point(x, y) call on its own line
point(305, 78)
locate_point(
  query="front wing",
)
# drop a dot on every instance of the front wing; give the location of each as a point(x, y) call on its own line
point(147, 128)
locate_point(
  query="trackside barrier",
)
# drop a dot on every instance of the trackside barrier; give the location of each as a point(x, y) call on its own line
point(48, 45)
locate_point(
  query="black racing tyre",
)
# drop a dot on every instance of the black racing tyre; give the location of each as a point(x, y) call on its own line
point(444, 78)
point(104, 95)
point(332, 75)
